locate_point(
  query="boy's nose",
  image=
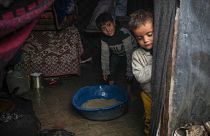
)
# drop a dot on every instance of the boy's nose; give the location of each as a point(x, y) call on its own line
point(108, 29)
point(146, 39)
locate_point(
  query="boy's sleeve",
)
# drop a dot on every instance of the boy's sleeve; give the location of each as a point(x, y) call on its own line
point(142, 69)
point(129, 47)
point(105, 58)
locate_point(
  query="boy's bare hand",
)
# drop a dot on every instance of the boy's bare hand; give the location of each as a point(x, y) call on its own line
point(105, 77)
point(129, 78)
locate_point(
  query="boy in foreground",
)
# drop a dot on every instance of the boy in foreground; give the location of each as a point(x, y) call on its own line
point(141, 24)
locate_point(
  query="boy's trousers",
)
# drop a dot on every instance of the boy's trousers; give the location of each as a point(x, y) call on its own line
point(147, 111)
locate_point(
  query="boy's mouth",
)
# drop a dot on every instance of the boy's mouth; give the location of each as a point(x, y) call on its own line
point(148, 46)
point(110, 34)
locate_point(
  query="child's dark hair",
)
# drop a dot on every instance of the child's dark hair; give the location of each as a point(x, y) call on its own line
point(139, 17)
point(103, 18)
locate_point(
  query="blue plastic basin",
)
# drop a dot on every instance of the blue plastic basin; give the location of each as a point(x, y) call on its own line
point(101, 91)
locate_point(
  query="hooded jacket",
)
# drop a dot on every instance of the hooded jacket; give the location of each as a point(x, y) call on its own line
point(121, 43)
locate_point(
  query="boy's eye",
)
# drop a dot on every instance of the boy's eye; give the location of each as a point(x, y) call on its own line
point(150, 34)
point(103, 27)
point(139, 38)
point(108, 24)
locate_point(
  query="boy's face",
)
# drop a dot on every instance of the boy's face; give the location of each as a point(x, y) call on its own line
point(144, 35)
point(108, 28)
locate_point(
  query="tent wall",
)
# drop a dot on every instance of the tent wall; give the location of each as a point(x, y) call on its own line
point(191, 96)
point(164, 11)
point(181, 91)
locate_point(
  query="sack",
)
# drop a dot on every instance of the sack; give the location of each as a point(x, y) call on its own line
point(17, 117)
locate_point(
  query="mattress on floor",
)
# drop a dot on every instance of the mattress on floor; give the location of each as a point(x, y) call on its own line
point(52, 53)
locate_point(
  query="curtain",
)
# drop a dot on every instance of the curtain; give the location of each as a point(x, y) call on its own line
point(164, 12)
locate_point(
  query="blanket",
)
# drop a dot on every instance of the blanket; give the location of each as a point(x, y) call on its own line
point(16, 22)
point(52, 53)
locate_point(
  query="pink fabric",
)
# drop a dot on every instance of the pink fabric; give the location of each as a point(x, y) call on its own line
point(9, 24)
point(20, 11)
point(31, 6)
point(8, 16)
point(10, 45)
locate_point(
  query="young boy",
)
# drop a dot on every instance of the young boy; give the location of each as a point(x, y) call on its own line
point(141, 24)
point(117, 45)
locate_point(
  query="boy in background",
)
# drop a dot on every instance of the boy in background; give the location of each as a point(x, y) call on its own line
point(117, 45)
point(141, 24)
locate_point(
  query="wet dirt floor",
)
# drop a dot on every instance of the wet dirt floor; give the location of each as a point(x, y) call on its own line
point(53, 107)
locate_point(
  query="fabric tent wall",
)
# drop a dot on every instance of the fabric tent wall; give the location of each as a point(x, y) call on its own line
point(164, 13)
point(190, 99)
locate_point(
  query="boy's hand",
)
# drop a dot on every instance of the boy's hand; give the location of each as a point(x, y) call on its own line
point(105, 77)
point(129, 78)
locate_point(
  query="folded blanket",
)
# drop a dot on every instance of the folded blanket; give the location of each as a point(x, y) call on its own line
point(16, 23)
point(12, 19)
point(10, 45)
